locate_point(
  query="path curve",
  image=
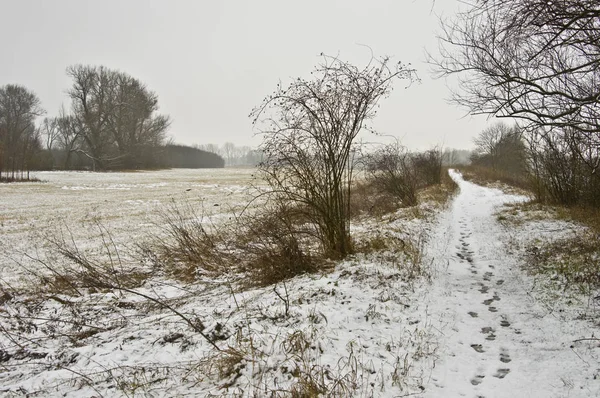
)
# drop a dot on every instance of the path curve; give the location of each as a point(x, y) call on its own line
point(495, 339)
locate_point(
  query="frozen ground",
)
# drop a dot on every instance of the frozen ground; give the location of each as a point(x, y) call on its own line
point(473, 324)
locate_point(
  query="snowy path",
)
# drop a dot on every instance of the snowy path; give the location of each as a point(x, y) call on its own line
point(495, 339)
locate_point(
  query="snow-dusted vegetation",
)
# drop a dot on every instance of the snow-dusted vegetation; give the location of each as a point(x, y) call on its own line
point(356, 327)
point(344, 264)
point(437, 304)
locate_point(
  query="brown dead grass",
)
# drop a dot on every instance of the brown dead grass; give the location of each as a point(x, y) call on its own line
point(497, 179)
point(440, 193)
point(587, 216)
point(571, 262)
point(366, 199)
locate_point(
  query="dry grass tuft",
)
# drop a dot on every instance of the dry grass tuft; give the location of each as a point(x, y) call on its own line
point(585, 215)
point(366, 199)
point(571, 262)
point(268, 246)
point(403, 254)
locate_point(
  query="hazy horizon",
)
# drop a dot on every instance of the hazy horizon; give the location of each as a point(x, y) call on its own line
point(211, 63)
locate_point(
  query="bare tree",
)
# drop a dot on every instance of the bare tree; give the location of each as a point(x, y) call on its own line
point(213, 148)
point(487, 143)
point(117, 116)
point(49, 130)
point(70, 136)
point(501, 148)
point(536, 61)
point(309, 131)
point(229, 152)
point(19, 109)
point(131, 122)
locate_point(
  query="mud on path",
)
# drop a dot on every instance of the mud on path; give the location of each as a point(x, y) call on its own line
point(495, 339)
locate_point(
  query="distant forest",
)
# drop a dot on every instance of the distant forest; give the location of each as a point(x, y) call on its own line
point(151, 157)
point(112, 124)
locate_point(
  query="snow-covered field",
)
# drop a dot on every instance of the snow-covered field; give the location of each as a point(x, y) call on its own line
point(127, 204)
point(468, 323)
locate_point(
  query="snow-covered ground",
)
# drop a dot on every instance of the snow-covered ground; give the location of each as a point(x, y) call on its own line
point(466, 321)
point(127, 204)
point(497, 338)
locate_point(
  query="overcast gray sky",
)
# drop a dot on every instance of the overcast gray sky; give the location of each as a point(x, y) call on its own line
point(210, 62)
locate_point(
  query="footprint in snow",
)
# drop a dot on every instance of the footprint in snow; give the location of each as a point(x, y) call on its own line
point(490, 333)
point(504, 322)
point(487, 276)
point(473, 314)
point(478, 348)
point(501, 373)
point(477, 380)
point(488, 301)
point(484, 289)
point(493, 309)
point(504, 357)
point(500, 282)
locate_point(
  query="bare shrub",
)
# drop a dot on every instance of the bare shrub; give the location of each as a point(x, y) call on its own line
point(192, 245)
point(309, 131)
point(268, 245)
point(278, 244)
point(367, 199)
point(428, 167)
point(442, 192)
point(564, 170)
point(391, 170)
point(395, 175)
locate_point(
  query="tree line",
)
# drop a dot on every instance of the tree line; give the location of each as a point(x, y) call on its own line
point(234, 155)
point(112, 123)
point(19, 137)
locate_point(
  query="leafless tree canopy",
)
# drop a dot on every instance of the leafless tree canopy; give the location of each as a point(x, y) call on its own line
point(535, 60)
point(19, 137)
point(113, 117)
point(309, 131)
point(501, 147)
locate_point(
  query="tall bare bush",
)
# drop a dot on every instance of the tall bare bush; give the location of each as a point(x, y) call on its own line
point(391, 170)
point(309, 131)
